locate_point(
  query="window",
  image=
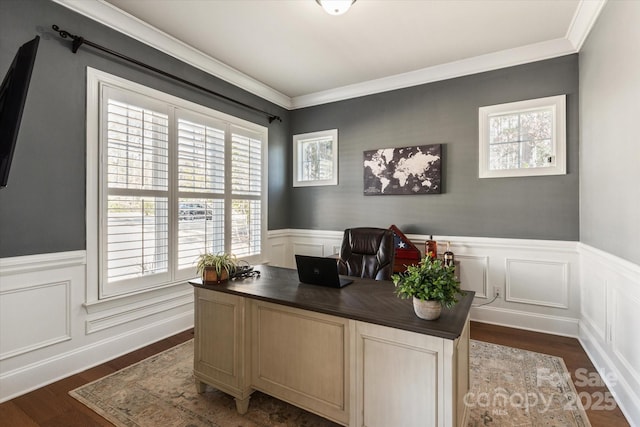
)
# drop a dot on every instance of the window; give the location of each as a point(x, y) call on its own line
point(315, 158)
point(174, 180)
point(525, 138)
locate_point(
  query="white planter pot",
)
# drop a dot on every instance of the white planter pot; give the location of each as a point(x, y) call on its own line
point(428, 310)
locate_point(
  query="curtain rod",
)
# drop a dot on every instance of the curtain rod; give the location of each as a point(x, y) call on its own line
point(79, 41)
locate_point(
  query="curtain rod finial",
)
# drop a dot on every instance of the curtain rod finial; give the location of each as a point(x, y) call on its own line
point(77, 41)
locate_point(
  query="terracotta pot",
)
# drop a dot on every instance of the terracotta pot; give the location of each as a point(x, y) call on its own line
point(210, 276)
point(428, 310)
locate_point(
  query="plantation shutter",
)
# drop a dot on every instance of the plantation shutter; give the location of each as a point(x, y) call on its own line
point(246, 192)
point(201, 188)
point(136, 222)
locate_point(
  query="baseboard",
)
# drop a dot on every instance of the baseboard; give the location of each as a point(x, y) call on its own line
point(535, 322)
point(44, 372)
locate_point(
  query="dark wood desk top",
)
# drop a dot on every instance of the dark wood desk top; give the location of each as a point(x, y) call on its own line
point(366, 300)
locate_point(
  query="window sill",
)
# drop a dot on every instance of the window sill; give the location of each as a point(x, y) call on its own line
point(139, 299)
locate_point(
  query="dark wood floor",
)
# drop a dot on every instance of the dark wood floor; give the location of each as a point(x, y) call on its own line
point(52, 406)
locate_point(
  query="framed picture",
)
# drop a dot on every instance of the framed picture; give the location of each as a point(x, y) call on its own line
point(407, 170)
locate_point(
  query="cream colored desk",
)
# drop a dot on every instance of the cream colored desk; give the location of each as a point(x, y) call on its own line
point(358, 355)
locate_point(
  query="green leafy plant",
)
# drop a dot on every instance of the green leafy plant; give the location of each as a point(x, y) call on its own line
point(429, 280)
point(220, 261)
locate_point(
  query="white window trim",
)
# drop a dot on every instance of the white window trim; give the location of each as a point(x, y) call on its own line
point(95, 80)
point(558, 105)
point(333, 133)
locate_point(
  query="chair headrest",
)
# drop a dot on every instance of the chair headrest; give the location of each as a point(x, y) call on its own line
point(366, 241)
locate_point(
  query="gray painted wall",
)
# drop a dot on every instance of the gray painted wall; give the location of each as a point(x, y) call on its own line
point(445, 113)
point(42, 210)
point(610, 150)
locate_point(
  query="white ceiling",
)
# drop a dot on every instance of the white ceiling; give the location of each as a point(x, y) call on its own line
point(294, 54)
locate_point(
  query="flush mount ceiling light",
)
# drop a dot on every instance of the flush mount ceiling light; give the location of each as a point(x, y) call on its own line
point(335, 7)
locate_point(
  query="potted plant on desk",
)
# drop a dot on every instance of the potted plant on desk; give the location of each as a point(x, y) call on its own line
point(216, 268)
point(431, 284)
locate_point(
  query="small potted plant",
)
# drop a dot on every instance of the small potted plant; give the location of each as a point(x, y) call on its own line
point(216, 268)
point(431, 284)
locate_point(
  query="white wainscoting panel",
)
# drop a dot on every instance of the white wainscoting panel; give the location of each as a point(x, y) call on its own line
point(593, 301)
point(278, 248)
point(278, 253)
point(336, 249)
point(538, 282)
point(301, 242)
point(625, 321)
point(609, 324)
point(474, 274)
point(23, 329)
point(311, 249)
point(48, 331)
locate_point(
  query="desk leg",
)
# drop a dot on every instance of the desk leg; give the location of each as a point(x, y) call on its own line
point(242, 405)
point(201, 387)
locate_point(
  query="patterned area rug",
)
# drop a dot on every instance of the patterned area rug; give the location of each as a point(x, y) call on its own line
point(509, 387)
point(513, 387)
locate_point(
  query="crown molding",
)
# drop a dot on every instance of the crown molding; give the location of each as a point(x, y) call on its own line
point(492, 61)
point(104, 13)
point(585, 17)
point(133, 27)
point(583, 20)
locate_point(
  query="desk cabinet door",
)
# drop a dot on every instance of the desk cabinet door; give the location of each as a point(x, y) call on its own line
point(302, 357)
point(220, 346)
point(400, 378)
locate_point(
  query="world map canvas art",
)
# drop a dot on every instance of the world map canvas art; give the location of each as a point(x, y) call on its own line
point(407, 170)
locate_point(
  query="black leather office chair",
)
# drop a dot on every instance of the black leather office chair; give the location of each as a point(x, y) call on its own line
point(367, 252)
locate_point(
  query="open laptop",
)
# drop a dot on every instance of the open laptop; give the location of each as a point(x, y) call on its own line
point(320, 271)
